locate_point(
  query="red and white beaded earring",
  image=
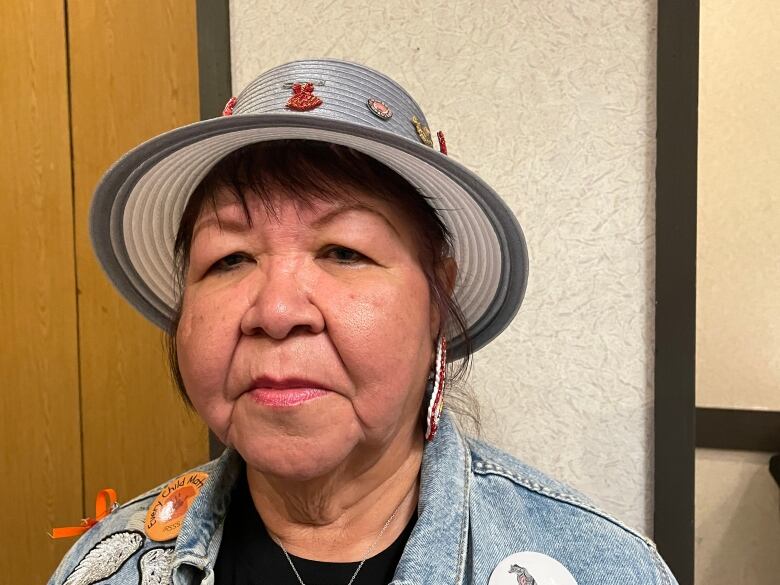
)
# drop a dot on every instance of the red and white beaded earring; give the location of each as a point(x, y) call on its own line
point(435, 389)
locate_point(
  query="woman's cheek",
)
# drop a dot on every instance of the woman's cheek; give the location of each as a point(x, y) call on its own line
point(204, 347)
point(200, 372)
point(381, 335)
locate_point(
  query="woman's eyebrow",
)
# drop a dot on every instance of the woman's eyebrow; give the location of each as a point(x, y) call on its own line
point(224, 224)
point(235, 225)
point(331, 215)
point(229, 223)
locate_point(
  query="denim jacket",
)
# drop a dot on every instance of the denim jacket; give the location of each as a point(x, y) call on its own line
point(477, 506)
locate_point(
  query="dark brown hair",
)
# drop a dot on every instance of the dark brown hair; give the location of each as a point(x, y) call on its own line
point(317, 171)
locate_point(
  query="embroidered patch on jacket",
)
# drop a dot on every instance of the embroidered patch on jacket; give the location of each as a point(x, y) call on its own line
point(155, 566)
point(105, 558)
point(136, 521)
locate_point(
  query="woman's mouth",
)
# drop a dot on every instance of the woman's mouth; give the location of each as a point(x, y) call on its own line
point(285, 393)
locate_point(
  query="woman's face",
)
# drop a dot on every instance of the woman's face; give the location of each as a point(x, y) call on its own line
point(306, 338)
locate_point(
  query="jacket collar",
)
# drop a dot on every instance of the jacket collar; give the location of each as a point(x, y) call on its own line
point(442, 523)
point(201, 532)
point(443, 513)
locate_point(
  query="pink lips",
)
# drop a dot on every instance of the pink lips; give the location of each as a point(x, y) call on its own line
point(285, 393)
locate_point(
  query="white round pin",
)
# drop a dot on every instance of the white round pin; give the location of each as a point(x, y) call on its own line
point(530, 568)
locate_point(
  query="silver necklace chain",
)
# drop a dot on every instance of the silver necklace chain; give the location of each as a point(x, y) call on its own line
point(365, 558)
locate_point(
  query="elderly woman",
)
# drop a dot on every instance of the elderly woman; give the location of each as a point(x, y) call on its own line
point(318, 265)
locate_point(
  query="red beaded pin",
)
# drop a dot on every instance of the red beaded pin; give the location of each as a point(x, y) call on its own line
point(228, 111)
point(442, 142)
point(303, 98)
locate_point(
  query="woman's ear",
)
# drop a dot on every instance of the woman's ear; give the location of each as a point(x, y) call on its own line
point(449, 274)
point(446, 275)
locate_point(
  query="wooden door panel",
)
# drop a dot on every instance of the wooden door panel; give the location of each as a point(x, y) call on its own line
point(40, 459)
point(133, 75)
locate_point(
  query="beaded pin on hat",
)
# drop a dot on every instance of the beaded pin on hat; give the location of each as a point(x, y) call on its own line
point(303, 98)
point(423, 132)
point(380, 109)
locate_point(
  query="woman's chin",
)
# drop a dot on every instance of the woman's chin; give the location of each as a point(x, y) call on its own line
point(298, 446)
point(298, 460)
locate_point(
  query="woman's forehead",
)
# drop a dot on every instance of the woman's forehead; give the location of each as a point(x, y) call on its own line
point(229, 211)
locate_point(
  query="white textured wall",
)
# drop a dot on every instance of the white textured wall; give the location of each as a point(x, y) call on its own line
point(553, 103)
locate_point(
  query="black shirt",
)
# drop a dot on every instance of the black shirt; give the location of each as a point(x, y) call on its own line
point(248, 555)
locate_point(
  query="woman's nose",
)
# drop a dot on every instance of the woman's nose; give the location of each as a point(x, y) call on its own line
point(279, 303)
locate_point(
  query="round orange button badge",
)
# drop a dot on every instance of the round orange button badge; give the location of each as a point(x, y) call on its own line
point(166, 514)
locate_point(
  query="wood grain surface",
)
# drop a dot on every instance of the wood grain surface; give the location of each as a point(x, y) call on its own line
point(133, 75)
point(40, 459)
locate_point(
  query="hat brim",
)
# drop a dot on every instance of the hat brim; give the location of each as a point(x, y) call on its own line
point(139, 202)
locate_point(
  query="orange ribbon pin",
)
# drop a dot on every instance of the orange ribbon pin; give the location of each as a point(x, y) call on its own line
point(105, 502)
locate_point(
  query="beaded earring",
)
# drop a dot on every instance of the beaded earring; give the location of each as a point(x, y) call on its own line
point(435, 389)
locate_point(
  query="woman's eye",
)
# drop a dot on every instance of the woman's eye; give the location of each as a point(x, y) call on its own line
point(343, 255)
point(228, 262)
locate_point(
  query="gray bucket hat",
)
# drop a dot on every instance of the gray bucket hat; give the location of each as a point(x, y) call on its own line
point(139, 202)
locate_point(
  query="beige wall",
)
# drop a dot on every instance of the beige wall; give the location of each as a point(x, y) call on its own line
point(738, 275)
point(737, 519)
point(738, 281)
point(554, 104)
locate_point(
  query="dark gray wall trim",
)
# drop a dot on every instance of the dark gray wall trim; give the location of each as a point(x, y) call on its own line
point(675, 319)
point(745, 430)
point(213, 56)
point(215, 83)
